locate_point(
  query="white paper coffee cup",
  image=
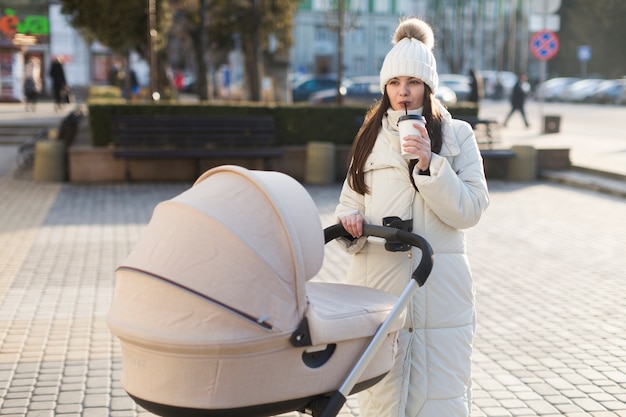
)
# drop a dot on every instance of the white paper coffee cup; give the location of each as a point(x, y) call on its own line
point(406, 128)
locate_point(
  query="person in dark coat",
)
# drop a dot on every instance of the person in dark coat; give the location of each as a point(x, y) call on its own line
point(32, 83)
point(518, 99)
point(59, 84)
point(476, 84)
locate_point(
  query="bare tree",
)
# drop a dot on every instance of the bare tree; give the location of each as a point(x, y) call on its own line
point(340, 22)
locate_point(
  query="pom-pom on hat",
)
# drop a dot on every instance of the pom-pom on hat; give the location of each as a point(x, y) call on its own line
point(411, 55)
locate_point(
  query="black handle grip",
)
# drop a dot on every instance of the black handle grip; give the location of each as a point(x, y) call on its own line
point(392, 234)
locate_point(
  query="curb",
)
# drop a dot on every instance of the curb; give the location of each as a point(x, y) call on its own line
point(607, 183)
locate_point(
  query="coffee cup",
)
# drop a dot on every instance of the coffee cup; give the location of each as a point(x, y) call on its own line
point(406, 128)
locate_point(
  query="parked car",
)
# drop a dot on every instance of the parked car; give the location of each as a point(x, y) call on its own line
point(552, 89)
point(360, 90)
point(366, 90)
point(310, 84)
point(581, 91)
point(446, 95)
point(458, 83)
point(609, 92)
point(490, 82)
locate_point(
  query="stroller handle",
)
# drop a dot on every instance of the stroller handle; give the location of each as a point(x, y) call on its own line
point(392, 234)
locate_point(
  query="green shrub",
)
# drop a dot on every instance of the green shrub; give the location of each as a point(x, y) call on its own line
point(104, 92)
point(296, 124)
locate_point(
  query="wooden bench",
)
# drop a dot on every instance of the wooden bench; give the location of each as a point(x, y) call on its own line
point(496, 160)
point(194, 137)
point(486, 130)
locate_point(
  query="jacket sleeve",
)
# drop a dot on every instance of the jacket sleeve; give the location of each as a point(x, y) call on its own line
point(350, 202)
point(456, 192)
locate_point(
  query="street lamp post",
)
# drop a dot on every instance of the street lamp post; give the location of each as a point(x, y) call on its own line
point(152, 34)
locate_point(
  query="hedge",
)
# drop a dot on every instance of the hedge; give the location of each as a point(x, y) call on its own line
point(295, 124)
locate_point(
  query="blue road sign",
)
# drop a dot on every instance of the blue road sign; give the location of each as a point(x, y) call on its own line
point(584, 53)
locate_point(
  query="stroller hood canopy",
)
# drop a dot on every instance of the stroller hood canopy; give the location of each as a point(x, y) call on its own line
point(246, 240)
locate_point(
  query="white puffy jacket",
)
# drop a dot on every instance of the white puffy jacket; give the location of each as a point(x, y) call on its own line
point(431, 376)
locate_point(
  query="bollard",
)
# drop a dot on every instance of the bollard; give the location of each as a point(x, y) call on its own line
point(320, 163)
point(49, 161)
point(551, 124)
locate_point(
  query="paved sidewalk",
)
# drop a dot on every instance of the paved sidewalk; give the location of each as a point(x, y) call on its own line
point(549, 267)
point(549, 263)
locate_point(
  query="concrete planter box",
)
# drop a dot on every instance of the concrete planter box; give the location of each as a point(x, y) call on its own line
point(87, 164)
point(553, 159)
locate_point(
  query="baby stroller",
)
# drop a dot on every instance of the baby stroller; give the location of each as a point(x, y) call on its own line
point(216, 315)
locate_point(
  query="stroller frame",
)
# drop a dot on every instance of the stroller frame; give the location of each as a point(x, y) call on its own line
point(327, 404)
point(331, 405)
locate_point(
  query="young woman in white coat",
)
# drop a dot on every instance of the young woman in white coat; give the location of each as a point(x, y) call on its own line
point(437, 196)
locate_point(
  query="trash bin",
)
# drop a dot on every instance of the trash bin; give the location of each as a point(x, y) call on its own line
point(551, 124)
point(320, 163)
point(49, 161)
point(524, 166)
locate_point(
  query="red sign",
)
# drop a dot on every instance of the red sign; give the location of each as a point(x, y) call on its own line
point(544, 45)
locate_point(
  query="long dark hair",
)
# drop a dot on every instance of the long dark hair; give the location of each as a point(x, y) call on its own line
point(367, 134)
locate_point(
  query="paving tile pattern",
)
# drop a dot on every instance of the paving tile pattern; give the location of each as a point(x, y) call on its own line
point(549, 264)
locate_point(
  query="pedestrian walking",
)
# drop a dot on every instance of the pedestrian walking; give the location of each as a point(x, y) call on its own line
point(518, 99)
point(32, 83)
point(437, 196)
point(59, 83)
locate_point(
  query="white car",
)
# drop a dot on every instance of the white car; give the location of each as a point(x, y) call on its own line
point(446, 95)
point(458, 83)
point(552, 89)
point(581, 91)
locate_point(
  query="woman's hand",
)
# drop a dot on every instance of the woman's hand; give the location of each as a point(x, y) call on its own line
point(353, 223)
point(420, 146)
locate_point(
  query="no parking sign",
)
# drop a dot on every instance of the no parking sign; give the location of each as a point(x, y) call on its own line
point(544, 45)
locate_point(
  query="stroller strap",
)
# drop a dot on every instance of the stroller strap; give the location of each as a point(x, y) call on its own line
point(259, 321)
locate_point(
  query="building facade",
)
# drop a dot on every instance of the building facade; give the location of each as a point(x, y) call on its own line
point(24, 37)
point(481, 34)
point(37, 30)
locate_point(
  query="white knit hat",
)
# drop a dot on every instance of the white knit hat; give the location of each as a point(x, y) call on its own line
point(411, 55)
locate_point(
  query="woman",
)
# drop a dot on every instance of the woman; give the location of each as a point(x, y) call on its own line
point(440, 193)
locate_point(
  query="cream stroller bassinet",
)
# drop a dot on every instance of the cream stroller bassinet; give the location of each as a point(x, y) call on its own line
point(216, 315)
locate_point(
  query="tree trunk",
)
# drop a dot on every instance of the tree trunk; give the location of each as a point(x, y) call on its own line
point(277, 68)
point(199, 43)
point(252, 64)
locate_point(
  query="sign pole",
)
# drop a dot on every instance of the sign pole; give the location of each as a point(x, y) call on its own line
point(543, 69)
point(544, 43)
point(543, 64)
